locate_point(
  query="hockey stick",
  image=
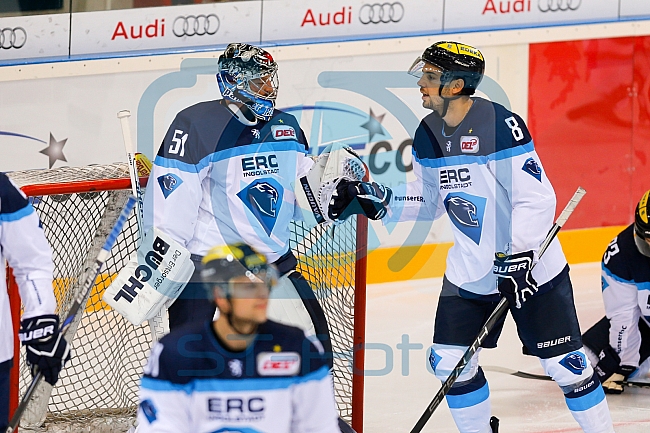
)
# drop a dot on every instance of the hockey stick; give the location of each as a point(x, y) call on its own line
point(501, 308)
point(526, 375)
point(78, 304)
point(156, 323)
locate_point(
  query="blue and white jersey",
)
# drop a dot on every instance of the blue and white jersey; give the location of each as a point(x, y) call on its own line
point(218, 181)
point(625, 278)
point(279, 384)
point(489, 180)
point(23, 245)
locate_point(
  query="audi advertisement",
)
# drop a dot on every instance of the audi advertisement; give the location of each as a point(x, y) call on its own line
point(462, 15)
point(312, 19)
point(34, 36)
point(202, 25)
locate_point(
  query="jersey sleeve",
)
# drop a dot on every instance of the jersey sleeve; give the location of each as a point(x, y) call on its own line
point(174, 188)
point(164, 407)
point(415, 200)
point(620, 295)
point(518, 170)
point(24, 245)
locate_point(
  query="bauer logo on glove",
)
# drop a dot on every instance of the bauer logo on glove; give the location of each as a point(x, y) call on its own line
point(515, 280)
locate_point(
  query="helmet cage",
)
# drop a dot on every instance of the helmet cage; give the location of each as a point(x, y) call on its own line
point(248, 75)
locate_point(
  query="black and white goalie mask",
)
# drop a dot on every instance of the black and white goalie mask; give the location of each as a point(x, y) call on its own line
point(642, 225)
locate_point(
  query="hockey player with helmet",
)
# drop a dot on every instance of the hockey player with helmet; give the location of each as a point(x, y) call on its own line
point(23, 245)
point(241, 372)
point(619, 344)
point(225, 173)
point(475, 160)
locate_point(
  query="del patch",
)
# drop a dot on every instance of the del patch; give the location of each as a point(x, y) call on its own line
point(168, 183)
point(283, 132)
point(278, 363)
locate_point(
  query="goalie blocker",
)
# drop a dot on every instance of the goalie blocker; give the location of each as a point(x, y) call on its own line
point(156, 279)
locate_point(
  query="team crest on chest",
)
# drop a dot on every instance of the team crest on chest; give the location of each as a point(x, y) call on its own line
point(255, 132)
point(235, 367)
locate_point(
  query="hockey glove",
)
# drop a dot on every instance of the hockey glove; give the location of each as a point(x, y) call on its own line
point(610, 371)
point(353, 197)
point(515, 280)
point(47, 350)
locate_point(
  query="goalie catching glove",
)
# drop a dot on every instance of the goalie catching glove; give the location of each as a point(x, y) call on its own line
point(515, 281)
point(353, 197)
point(47, 350)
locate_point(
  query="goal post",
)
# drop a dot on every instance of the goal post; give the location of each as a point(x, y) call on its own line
point(101, 381)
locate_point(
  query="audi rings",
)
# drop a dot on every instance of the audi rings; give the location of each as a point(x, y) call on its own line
point(381, 13)
point(558, 5)
point(12, 38)
point(199, 25)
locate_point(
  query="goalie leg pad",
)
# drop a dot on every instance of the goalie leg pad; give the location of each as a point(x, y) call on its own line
point(161, 271)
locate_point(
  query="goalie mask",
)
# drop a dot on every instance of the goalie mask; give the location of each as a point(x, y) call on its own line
point(642, 225)
point(238, 271)
point(455, 60)
point(249, 75)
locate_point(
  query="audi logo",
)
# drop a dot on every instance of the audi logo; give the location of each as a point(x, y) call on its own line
point(196, 25)
point(381, 13)
point(12, 38)
point(558, 5)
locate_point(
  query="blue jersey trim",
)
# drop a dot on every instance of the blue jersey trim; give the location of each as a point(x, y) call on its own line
point(234, 152)
point(467, 400)
point(19, 214)
point(640, 286)
point(233, 385)
point(587, 401)
point(480, 159)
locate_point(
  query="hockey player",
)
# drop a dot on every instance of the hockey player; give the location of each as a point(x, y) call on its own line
point(225, 173)
point(23, 244)
point(241, 372)
point(475, 160)
point(619, 344)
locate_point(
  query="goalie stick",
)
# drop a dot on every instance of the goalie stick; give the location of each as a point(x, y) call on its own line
point(501, 308)
point(79, 302)
point(158, 322)
point(526, 375)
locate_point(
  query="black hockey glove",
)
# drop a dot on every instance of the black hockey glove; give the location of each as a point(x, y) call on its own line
point(515, 280)
point(47, 350)
point(353, 197)
point(610, 371)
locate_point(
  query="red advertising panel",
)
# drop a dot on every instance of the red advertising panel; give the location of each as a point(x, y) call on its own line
point(588, 113)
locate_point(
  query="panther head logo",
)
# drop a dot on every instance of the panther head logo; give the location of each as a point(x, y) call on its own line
point(463, 210)
point(265, 198)
point(169, 182)
point(532, 167)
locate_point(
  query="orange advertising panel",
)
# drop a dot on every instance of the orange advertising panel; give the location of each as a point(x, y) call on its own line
point(588, 113)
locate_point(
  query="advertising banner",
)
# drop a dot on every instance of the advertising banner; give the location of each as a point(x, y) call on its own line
point(634, 8)
point(285, 20)
point(461, 15)
point(34, 36)
point(146, 29)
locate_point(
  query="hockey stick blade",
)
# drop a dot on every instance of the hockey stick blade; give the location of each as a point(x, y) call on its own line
point(500, 309)
point(77, 307)
point(526, 375)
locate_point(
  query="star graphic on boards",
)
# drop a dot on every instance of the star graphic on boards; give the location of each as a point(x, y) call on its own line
point(373, 125)
point(54, 150)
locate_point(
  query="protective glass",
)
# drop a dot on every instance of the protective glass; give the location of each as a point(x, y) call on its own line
point(251, 285)
point(416, 68)
point(641, 244)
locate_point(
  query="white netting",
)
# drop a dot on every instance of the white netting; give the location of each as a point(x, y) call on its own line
point(102, 379)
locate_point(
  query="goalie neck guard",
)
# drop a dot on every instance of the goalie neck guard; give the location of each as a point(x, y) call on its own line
point(642, 225)
point(248, 75)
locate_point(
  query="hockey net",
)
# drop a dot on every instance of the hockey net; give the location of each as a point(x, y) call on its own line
point(99, 386)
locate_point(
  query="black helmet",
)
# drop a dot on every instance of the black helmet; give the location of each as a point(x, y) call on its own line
point(456, 60)
point(223, 263)
point(642, 224)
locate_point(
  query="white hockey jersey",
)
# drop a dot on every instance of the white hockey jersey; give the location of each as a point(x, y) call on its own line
point(23, 245)
point(217, 181)
point(489, 180)
point(279, 384)
point(625, 279)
